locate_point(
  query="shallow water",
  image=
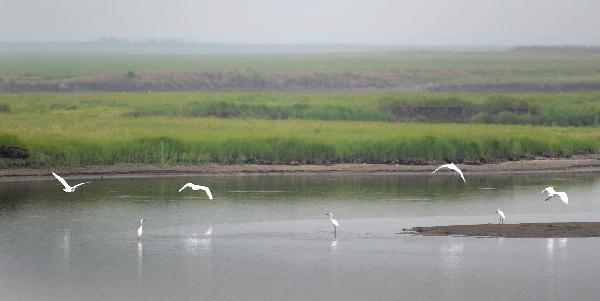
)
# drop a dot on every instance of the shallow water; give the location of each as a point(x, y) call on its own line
point(272, 241)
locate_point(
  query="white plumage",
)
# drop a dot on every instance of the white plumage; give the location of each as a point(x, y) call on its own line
point(452, 167)
point(334, 222)
point(67, 188)
point(198, 187)
point(501, 215)
point(552, 193)
point(141, 228)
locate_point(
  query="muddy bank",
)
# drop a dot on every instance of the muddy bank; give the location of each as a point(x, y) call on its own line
point(217, 81)
point(518, 87)
point(276, 81)
point(526, 230)
point(121, 171)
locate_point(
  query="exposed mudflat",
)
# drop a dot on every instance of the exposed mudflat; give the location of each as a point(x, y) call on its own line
point(591, 164)
point(525, 230)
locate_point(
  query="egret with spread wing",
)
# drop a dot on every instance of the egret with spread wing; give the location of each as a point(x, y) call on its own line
point(67, 188)
point(452, 167)
point(552, 193)
point(198, 187)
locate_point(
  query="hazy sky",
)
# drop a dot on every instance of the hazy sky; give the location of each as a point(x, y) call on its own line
point(405, 22)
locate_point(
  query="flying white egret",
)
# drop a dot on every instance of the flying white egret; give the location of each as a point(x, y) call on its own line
point(208, 232)
point(452, 167)
point(334, 222)
point(198, 187)
point(552, 193)
point(141, 228)
point(67, 187)
point(501, 215)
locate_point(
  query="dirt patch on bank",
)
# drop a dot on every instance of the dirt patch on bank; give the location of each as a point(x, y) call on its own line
point(442, 113)
point(525, 230)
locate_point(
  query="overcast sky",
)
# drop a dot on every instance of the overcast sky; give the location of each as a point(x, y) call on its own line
point(404, 22)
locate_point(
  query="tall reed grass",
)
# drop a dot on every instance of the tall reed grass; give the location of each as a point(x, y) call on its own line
point(68, 138)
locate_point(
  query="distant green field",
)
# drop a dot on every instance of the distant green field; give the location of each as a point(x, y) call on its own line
point(424, 67)
point(138, 128)
point(564, 109)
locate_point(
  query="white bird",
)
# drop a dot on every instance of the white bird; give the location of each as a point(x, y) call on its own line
point(208, 232)
point(67, 188)
point(141, 228)
point(501, 215)
point(334, 222)
point(552, 193)
point(452, 167)
point(198, 187)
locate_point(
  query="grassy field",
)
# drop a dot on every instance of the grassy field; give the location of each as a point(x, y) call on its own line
point(425, 67)
point(136, 128)
point(564, 109)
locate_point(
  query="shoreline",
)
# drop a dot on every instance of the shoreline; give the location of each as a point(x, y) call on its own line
point(523, 230)
point(135, 171)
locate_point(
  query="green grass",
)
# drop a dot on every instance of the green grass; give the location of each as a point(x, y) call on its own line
point(422, 67)
point(102, 129)
point(564, 109)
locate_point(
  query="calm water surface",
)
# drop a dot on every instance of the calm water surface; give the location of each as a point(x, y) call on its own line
point(272, 241)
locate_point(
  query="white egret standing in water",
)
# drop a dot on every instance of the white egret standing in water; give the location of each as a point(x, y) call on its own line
point(198, 187)
point(334, 222)
point(552, 193)
point(452, 167)
point(141, 228)
point(501, 215)
point(67, 188)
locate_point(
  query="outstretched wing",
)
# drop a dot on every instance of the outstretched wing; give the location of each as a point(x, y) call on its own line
point(184, 186)
point(80, 184)
point(442, 166)
point(549, 190)
point(207, 190)
point(563, 197)
point(61, 180)
point(453, 167)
